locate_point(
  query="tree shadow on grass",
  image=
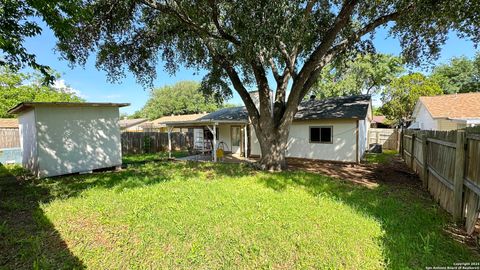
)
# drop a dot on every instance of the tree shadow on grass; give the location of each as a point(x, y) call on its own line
point(414, 225)
point(27, 238)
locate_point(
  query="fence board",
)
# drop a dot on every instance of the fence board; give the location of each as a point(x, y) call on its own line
point(151, 142)
point(9, 138)
point(387, 137)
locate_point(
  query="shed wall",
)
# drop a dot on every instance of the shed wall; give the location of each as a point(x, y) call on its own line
point(77, 139)
point(28, 141)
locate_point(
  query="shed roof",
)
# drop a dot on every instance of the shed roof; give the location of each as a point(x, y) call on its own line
point(8, 123)
point(464, 105)
point(29, 105)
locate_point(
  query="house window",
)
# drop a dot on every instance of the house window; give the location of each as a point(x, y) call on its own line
point(321, 134)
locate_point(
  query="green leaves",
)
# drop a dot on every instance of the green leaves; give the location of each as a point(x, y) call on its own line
point(400, 96)
point(20, 87)
point(183, 97)
point(460, 75)
point(364, 74)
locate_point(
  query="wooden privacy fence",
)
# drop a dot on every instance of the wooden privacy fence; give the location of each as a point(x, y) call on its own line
point(151, 142)
point(9, 138)
point(448, 165)
point(389, 138)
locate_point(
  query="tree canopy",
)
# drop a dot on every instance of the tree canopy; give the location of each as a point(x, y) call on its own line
point(401, 95)
point(181, 98)
point(22, 87)
point(240, 42)
point(19, 21)
point(460, 75)
point(364, 74)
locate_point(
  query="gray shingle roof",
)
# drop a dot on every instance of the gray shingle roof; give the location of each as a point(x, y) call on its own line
point(227, 114)
point(340, 107)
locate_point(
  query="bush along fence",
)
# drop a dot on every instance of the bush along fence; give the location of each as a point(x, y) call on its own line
point(152, 142)
point(448, 163)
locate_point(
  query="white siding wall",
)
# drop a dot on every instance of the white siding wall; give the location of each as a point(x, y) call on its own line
point(445, 124)
point(343, 147)
point(224, 136)
point(425, 120)
point(362, 137)
point(77, 139)
point(28, 140)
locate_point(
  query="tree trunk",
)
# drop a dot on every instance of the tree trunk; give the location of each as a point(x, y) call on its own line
point(273, 144)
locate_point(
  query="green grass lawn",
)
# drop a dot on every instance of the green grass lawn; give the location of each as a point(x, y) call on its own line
point(164, 214)
point(149, 157)
point(380, 158)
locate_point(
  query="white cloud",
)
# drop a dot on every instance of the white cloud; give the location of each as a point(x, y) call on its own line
point(60, 85)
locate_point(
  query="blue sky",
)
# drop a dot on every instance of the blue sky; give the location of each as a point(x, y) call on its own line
point(92, 84)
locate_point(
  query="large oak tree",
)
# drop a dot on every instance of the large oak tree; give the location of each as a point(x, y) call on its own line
point(241, 42)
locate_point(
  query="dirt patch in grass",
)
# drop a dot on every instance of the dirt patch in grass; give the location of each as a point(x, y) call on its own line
point(366, 174)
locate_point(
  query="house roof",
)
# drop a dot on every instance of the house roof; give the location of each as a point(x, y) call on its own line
point(465, 105)
point(176, 118)
point(8, 123)
point(126, 123)
point(227, 114)
point(341, 107)
point(29, 105)
point(378, 119)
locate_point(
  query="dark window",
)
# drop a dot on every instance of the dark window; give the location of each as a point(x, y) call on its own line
point(321, 134)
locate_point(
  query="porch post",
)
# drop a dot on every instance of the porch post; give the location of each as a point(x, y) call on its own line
point(214, 142)
point(170, 142)
point(246, 141)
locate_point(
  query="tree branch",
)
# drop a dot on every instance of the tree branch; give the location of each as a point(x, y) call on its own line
point(220, 29)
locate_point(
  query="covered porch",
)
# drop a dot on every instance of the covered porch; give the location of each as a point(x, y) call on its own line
point(215, 140)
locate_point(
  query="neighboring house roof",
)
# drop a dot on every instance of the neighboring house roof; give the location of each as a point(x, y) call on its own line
point(341, 107)
point(126, 123)
point(380, 119)
point(162, 121)
point(8, 123)
point(454, 106)
point(28, 105)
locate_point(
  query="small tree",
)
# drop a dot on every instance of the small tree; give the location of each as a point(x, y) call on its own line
point(399, 98)
point(181, 98)
point(364, 74)
point(22, 87)
point(460, 75)
point(241, 42)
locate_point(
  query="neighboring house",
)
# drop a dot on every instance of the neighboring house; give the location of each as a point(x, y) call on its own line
point(132, 125)
point(380, 121)
point(446, 112)
point(61, 137)
point(333, 129)
point(160, 124)
point(9, 141)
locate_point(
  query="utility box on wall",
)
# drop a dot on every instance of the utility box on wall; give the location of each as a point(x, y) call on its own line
point(62, 137)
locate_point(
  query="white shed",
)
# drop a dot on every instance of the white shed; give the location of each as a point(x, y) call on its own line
point(61, 138)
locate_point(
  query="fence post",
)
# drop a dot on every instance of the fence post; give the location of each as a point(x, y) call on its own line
point(401, 144)
point(459, 174)
point(425, 160)
point(412, 149)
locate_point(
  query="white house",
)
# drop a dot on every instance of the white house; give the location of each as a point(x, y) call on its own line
point(333, 129)
point(62, 138)
point(446, 112)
